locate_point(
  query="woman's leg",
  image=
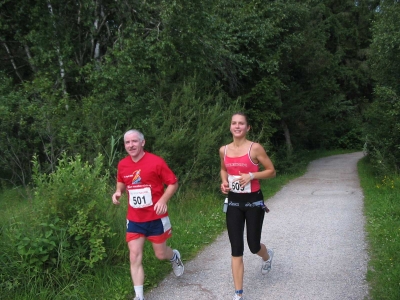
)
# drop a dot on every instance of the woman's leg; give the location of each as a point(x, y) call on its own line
point(238, 272)
point(254, 223)
point(235, 219)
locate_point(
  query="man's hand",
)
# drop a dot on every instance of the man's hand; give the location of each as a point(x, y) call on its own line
point(160, 208)
point(115, 197)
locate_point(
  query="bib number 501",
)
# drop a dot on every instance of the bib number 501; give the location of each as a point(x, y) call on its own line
point(139, 198)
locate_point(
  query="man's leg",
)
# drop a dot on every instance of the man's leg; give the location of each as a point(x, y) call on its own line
point(162, 251)
point(135, 257)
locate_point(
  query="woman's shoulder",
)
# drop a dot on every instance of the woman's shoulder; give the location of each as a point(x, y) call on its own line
point(222, 148)
point(257, 147)
point(255, 144)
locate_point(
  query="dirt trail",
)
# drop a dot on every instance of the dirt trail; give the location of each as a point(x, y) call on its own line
point(316, 228)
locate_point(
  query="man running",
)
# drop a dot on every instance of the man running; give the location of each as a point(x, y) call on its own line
point(143, 176)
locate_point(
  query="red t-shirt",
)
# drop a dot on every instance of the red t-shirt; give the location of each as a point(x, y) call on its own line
point(144, 181)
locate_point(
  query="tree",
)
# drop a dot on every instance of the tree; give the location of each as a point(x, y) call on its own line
point(383, 115)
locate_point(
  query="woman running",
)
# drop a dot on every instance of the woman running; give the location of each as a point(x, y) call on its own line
point(240, 177)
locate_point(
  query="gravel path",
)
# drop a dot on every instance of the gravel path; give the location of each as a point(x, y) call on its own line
point(316, 228)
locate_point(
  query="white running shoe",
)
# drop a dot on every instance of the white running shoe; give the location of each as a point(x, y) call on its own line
point(177, 265)
point(138, 298)
point(237, 297)
point(267, 265)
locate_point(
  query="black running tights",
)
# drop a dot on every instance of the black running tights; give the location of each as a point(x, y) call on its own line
point(236, 217)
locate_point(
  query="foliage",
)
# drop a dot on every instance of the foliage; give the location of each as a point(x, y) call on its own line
point(17, 139)
point(298, 68)
point(319, 103)
point(194, 124)
point(89, 234)
point(72, 194)
point(382, 128)
point(382, 211)
point(385, 53)
point(39, 251)
point(65, 231)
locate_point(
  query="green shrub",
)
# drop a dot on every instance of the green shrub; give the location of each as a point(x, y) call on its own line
point(62, 233)
point(383, 131)
point(74, 194)
point(39, 250)
point(88, 235)
point(65, 231)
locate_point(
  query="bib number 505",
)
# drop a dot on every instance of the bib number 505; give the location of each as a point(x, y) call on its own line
point(235, 185)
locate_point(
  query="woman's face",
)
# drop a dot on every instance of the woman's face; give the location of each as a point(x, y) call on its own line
point(239, 126)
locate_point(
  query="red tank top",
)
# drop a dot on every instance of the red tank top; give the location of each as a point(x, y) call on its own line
point(242, 164)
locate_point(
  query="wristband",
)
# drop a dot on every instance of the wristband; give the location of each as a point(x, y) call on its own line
point(251, 176)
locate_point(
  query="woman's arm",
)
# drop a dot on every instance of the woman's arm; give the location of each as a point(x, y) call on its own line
point(224, 174)
point(259, 155)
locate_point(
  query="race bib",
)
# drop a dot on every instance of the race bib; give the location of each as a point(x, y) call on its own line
point(235, 186)
point(140, 197)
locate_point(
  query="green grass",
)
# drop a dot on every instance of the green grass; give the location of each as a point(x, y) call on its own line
point(13, 203)
point(196, 217)
point(382, 211)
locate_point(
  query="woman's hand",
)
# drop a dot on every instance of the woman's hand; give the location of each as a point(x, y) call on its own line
point(244, 179)
point(225, 187)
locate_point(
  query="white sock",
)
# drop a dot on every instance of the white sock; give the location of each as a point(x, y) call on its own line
point(139, 291)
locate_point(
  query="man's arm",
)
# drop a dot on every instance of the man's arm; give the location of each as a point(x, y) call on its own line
point(161, 206)
point(118, 193)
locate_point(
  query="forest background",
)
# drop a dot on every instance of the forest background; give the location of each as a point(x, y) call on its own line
point(75, 75)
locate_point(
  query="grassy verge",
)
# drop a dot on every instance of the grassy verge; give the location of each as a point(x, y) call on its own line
point(197, 219)
point(382, 211)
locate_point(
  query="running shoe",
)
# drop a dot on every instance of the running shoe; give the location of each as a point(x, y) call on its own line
point(237, 297)
point(137, 298)
point(267, 265)
point(177, 265)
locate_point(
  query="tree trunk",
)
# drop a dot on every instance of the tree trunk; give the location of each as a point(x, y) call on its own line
point(13, 62)
point(289, 147)
point(60, 60)
point(28, 54)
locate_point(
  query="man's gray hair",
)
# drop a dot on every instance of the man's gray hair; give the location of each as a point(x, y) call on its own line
point(140, 135)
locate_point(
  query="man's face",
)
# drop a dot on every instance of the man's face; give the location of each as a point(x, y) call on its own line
point(133, 145)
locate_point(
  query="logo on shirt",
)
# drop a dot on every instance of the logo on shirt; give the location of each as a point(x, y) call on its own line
point(136, 177)
point(236, 165)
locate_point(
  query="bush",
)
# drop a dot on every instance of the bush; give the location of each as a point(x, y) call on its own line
point(383, 131)
point(65, 231)
point(74, 194)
